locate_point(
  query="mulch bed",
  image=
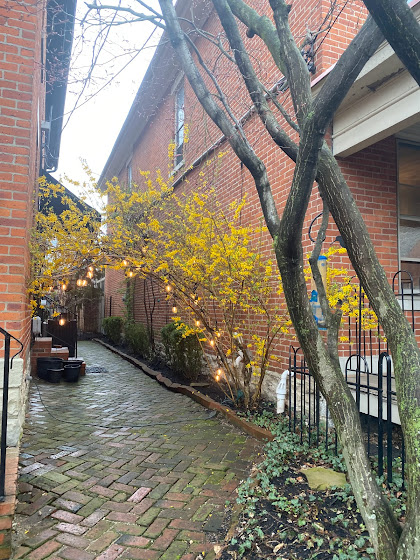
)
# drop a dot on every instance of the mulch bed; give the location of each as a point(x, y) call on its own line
point(304, 524)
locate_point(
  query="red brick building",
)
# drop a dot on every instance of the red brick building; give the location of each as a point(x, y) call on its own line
point(35, 46)
point(375, 135)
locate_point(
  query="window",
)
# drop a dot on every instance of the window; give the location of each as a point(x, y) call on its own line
point(129, 174)
point(129, 177)
point(409, 209)
point(179, 127)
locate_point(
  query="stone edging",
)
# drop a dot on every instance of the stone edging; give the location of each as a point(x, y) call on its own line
point(259, 433)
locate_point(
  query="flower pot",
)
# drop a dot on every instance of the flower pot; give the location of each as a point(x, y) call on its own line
point(44, 364)
point(71, 373)
point(54, 375)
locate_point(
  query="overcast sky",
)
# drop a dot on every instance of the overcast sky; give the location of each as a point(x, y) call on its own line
point(96, 108)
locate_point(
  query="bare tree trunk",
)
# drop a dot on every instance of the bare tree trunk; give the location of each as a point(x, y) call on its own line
point(401, 339)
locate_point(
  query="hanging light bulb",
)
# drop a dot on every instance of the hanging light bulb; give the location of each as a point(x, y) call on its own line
point(84, 282)
point(174, 308)
point(62, 322)
point(130, 274)
point(168, 287)
point(124, 263)
point(218, 374)
point(90, 268)
point(63, 287)
point(79, 282)
point(218, 335)
point(211, 342)
point(197, 323)
point(89, 274)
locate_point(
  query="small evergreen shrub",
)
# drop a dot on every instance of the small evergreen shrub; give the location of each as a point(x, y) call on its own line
point(113, 328)
point(183, 353)
point(137, 338)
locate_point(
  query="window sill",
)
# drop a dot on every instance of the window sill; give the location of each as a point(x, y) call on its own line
point(177, 168)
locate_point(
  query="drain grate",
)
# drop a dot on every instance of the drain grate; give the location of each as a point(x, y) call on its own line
point(96, 369)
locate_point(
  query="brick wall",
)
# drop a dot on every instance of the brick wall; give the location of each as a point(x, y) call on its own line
point(20, 102)
point(21, 108)
point(371, 173)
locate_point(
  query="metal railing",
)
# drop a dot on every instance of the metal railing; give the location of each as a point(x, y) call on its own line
point(8, 364)
point(367, 366)
point(375, 400)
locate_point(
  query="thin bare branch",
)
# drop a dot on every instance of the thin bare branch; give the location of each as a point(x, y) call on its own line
point(156, 19)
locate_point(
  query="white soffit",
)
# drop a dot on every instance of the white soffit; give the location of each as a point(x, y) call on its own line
point(384, 100)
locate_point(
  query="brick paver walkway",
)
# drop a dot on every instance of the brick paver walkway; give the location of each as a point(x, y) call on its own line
point(107, 485)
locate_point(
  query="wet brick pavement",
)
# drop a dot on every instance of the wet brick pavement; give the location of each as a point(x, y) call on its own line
point(120, 467)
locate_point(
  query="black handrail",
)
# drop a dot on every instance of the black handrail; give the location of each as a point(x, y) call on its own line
point(7, 367)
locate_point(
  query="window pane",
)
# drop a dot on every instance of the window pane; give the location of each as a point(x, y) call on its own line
point(409, 165)
point(409, 209)
point(179, 126)
point(409, 200)
point(414, 269)
point(409, 239)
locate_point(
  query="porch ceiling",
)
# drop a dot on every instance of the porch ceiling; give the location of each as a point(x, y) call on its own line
point(384, 100)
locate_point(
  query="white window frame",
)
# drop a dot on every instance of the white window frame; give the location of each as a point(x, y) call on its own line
point(179, 125)
point(129, 169)
point(416, 291)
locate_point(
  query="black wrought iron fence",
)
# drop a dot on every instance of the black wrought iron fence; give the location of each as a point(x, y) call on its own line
point(8, 364)
point(367, 367)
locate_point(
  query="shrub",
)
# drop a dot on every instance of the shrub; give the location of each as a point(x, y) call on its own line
point(137, 338)
point(183, 353)
point(113, 328)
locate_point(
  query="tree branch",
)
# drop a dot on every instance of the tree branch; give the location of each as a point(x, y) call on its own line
point(261, 26)
point(295, 68)
point(241, 147)
point(142, 17)
point(346, 70)
point(313, 261)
